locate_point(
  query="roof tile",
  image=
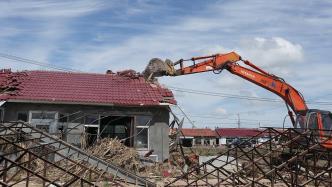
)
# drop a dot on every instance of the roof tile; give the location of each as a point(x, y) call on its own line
point(198, 132)
point(114, 89)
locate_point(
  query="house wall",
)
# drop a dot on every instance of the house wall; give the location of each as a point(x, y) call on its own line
point(198, 141)
point(158, 130)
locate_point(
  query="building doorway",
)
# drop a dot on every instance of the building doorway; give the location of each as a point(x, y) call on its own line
point(91, 133)
point(120, 127)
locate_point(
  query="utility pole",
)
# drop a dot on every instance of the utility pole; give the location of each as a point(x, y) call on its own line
point(238, 121)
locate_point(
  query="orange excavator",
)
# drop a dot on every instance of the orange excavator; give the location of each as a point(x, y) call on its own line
point(301, 116)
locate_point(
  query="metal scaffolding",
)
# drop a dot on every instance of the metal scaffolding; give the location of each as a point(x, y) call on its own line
point(290, 157)
point(29, 155)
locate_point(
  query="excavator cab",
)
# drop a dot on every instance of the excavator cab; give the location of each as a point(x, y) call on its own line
point(320, 123)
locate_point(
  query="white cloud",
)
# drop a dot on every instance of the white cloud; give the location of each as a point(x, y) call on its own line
point(221, 111)
point(48, 9)
point(271, 52)
point(41, 28)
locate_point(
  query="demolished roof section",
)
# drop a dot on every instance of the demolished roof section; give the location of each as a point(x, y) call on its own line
point(63, 87)
point(10, 83)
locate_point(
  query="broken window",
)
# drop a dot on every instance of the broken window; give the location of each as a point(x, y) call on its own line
point(142, 131)
point(91, 133)
point(44, 120)
point(143, 120)
point(198, 141)
point(206, 141)
point(142, 137)
point(22, 116)
point(119, 127)
point(63, 118)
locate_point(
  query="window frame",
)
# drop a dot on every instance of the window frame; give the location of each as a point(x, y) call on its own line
point(21, 112)
point(55, 122)
point(56, 114)
point(97, 122)
point(148, 137)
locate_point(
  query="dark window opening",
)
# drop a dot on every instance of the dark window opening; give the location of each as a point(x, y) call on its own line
point(22, 116)
point(119, 127)
point(186, 142)
point(206, 141)
point(91, 135)
point(63, 118)
point(91, 119)
point(198, 141)
point(143, 120)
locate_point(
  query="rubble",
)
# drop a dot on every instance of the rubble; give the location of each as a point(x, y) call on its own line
point(10, 82)
point(113, 151)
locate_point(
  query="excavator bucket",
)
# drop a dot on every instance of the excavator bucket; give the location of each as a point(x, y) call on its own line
point(157, 68)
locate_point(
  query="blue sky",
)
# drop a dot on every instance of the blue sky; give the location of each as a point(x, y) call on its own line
point(292, 39)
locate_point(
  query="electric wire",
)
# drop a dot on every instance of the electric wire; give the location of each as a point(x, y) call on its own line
point(233, 96)
point(34, 62)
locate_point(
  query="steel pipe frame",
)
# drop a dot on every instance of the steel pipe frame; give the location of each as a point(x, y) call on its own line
point(53, 151)
point(255, 149)
point(128, 174)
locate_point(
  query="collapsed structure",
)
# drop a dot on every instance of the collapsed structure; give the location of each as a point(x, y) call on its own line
point(82, 107)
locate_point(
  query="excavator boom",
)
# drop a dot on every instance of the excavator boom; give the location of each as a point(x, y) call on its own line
point(307, 119)
point(229, 61)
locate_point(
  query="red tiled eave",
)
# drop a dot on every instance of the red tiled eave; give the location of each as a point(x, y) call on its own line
point(237, 132)
point(198, 132)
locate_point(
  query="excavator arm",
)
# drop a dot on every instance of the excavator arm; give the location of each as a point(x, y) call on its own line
point(319, 121)
point(229, 61)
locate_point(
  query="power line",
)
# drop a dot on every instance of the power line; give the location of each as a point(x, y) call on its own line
point(34, 62)
point(233, 96)
point(222, 118)
point(218, 94)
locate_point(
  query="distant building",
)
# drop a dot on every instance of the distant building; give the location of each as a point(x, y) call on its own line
point(227, 135)
point(198, 137)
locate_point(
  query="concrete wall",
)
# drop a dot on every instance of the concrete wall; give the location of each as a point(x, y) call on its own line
point(158, 130)
point(158, 134)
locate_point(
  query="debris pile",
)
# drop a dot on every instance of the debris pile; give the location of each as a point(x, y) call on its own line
point(113, 151)
point(10, 82)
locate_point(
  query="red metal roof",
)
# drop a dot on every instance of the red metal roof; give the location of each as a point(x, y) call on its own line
point(63, 87)
point(199, 132)
point(237, 132)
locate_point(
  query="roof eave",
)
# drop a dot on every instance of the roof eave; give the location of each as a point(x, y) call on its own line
point(78, 103)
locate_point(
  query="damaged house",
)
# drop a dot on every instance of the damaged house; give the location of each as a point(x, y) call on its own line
point(83, 107)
